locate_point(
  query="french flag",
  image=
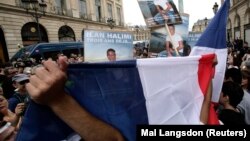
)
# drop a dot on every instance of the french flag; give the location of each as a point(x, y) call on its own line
point(125, 94)
point(213, 40)
point(128, 93)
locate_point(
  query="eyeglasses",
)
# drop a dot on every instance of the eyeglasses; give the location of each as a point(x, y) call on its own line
point(24, 82)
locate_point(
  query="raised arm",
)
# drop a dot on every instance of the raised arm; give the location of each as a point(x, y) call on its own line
point(205, 109)
point(158, 9)
point(47, 87)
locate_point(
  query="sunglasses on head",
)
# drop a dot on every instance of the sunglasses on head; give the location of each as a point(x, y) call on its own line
point(24, 82)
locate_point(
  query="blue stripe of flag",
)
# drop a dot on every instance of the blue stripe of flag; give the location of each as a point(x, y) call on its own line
point(215, 34)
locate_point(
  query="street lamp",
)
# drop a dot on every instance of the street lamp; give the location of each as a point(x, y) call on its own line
point(215, 8)
point(205, 21)
point(137, 28)
point(36, 9)
point(111, 23)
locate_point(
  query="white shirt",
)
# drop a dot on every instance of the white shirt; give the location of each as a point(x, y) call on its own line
point(176, 38)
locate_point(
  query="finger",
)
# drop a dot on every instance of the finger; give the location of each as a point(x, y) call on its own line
point(41, 73)
point(51, 66)
point(32, 90)
point(62, 62)
point(35, 81)
point(20, 104)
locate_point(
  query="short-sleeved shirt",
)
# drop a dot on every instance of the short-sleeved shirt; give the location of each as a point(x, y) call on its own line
point(176, 38)
point(230, 117)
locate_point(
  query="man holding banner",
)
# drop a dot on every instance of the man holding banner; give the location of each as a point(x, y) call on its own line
point(127, 93)
point(176, 42)
point(46, 87)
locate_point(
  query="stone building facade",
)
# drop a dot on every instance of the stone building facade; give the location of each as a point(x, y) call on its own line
point(140, 33)
point(64, 20)
point(238, 24)
point(201, 25)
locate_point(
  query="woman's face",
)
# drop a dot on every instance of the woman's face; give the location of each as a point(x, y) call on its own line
point(3, 104)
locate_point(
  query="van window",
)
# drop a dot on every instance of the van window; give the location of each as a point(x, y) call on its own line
point(49, 50)
point(68, 52)
point(81, 51)
point(51, 54)
point(37, 57)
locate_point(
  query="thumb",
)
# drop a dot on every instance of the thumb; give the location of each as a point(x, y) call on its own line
point(63, 63)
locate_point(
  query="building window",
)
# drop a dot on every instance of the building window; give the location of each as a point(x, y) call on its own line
point(30, 33)
point(83, 35)
point(248, 17)
point(247, 33)
point(83, 8)
point(98, 10)
point(237, 33)
point(110, 13)
point(61, 7)
point(66, 33)
point(118, 9)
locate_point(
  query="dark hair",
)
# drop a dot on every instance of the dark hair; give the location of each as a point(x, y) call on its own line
point(246, 75)
point(234, 74)
point(110, 49)
point(171, 25)
point(233, 91)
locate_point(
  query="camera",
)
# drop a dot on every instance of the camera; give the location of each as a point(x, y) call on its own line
point(26, 103)
point(23, 63)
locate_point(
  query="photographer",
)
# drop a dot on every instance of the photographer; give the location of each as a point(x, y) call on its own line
point(21, 95)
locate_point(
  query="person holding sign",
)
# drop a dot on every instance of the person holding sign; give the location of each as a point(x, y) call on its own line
point(176, 41)
point(111, 55)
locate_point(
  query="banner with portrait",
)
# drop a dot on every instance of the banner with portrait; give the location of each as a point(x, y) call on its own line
point(159, 12)
point(159, 37)
point(102, 46)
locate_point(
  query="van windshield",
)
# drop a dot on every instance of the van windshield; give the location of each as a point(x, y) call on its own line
point(24, 52)
point(49, 50)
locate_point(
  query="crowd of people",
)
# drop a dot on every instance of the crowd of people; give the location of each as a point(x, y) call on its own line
point(45, 85)
point(235, 95)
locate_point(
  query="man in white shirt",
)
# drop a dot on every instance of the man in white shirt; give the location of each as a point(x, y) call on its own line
point(177, 42)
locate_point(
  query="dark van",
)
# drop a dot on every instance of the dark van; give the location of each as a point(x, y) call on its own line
point(49, 50)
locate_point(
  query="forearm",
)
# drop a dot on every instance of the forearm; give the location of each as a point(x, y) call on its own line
point(206, 105)
point(86, 125)
point(158, 8)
